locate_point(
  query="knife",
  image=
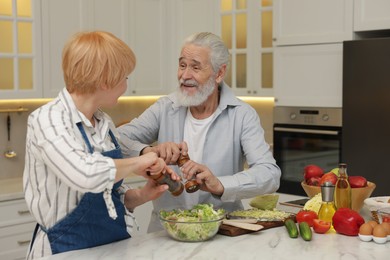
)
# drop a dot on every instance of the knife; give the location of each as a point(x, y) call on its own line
point(244, 220)
point(247, 226)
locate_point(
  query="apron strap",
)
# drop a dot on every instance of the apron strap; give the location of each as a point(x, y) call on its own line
point(81, 128)
point(86, 140)
point(34, 235)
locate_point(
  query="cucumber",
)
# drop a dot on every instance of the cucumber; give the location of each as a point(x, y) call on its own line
point(305, 231)
point(291, 228)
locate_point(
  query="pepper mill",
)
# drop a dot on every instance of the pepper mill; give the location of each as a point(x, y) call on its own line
point(190, 185)
point(176, 188)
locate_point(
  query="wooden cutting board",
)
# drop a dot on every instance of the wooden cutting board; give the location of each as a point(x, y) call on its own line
point(231, 231)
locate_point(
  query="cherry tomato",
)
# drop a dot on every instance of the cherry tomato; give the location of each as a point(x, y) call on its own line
point(306, 216)
point(386, 219)
point(321, 226)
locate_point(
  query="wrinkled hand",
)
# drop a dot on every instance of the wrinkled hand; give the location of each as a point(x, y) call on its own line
point(169, 151)
point(207, 180)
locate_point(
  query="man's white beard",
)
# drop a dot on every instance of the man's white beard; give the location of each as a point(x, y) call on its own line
point(204, 91)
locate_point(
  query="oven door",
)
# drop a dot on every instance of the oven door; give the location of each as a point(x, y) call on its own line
point(296, 146)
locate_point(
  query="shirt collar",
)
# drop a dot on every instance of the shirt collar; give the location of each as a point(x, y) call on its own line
point(75, 114)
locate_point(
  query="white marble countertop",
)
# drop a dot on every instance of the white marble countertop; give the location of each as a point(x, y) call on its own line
point(266, 244)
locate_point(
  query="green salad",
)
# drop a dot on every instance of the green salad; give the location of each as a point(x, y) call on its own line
point(197, 224)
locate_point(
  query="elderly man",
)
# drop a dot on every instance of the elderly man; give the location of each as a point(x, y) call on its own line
point(218, 131)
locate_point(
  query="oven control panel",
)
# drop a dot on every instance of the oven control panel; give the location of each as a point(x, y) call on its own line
point(308, 116)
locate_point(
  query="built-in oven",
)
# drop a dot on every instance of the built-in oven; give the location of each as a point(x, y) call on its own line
point(303, 136)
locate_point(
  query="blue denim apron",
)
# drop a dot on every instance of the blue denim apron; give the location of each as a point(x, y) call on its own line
point(89, 224)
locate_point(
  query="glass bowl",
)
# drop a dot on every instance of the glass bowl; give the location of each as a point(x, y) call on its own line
point(191, 231)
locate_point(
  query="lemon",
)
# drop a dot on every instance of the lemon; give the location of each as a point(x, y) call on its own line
point(335, 171)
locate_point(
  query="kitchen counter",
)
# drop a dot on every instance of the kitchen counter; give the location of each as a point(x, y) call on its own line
point(268, 244)
point(272, 243)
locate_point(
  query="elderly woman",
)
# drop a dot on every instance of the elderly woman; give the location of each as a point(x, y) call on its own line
point(74, 167)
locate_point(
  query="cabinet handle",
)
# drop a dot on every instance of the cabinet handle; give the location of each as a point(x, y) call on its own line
point(23, 212)
point(24, 242)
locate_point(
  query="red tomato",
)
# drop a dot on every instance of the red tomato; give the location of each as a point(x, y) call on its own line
point(306, 216)
point(357, 181)
point(313, 181)
point(321, 226)
point(312, 171)
point(329, 177)
point(386, 219)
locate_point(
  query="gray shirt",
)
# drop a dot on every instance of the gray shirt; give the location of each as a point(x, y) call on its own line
point(235, 136)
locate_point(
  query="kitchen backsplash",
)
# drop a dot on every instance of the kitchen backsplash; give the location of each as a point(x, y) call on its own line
point(127, 109)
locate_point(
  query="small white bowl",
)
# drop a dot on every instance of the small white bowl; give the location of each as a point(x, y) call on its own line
point(380, 240)
point(365, 238)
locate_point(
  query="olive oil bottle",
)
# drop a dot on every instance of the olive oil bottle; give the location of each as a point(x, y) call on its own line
point(342, 192)
point(327, 208)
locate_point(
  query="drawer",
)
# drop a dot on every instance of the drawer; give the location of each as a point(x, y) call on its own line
point(15, 240)
point(14, 212)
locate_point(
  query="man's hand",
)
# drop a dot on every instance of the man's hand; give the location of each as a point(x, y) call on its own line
point(168, 151)
point(207, 180)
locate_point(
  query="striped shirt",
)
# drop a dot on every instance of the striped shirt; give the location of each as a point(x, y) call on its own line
point(58, 166)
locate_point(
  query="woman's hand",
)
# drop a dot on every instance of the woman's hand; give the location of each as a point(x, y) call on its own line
point(150, 164)
point(151, 191)
point(136, 197)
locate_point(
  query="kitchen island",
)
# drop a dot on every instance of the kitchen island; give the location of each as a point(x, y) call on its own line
point(267, 244)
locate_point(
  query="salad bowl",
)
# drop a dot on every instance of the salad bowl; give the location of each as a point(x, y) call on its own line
point(198, 224)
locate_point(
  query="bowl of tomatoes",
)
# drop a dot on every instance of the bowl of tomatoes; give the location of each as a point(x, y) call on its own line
point(358, 195)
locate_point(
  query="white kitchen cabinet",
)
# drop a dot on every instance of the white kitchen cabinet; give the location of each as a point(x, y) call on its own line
point(142, 215)
point(16, 229)
point(154, 29)
point(20, 49)
point(312, 21)
point(371, 15)
point(158, 28)
point(143, 212)
point(61, 19)
point(308, 75)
